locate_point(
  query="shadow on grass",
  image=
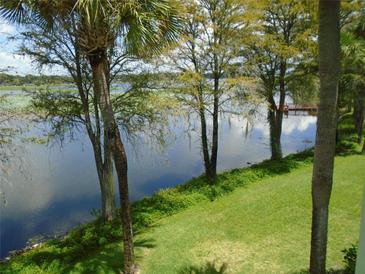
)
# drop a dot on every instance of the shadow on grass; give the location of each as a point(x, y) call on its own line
point(106, 259)
point(331, 271)
point(209, 268)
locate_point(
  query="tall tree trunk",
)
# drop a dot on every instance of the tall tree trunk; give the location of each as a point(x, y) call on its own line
point(216, 93)
point(104, 167)
point(210, 158)
point(108, 207)
point(99, 66)
point(108, 193)
point(214, 154)
point(205, 146)
point(276, 116)
point(280, 110)
point(204, 136)
point(329, 68)
point(275, 134)
point(106, 179)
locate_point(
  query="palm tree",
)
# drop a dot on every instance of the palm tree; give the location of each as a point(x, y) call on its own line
point(100, 25)
point(146, 26)
point(329, 69)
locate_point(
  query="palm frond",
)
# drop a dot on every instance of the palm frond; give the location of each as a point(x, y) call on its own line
point(12, 10)
point(150, 25)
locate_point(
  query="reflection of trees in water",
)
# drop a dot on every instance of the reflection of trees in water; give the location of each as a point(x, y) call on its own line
point(11, 149)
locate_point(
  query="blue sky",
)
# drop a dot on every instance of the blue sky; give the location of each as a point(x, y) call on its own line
point(12, 62)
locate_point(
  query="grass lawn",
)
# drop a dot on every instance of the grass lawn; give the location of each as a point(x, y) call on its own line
point(260, 228)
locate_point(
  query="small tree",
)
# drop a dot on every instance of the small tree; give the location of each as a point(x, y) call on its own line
point(284, 40)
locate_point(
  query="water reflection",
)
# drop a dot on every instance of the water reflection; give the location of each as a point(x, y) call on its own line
point(59, 186)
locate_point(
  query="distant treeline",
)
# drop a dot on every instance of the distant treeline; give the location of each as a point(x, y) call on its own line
point(18, 80)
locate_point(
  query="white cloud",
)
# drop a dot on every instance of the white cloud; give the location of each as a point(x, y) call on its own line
point(300, 123)
point(6, 28)
point(18, 64)
point(14, 63)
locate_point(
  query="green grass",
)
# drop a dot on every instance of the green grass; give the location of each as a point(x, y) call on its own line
point(259, 225)
point(263, 228)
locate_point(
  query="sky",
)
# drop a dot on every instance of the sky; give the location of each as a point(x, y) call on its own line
point(14, 63)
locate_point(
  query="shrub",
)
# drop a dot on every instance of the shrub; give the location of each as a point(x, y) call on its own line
point(349, 259)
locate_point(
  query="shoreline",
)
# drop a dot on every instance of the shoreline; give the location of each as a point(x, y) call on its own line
point(161, 196)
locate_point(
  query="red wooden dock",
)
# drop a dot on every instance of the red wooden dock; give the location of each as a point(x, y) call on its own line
point(294, 107)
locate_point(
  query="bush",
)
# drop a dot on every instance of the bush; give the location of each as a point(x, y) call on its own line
point(350, 259)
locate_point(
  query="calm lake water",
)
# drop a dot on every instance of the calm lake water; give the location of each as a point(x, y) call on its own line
point(57, 187)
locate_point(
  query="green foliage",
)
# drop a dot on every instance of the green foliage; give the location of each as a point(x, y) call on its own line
point(349, 259)
point(56, 255)
point(346, 136)
point(209, 268)
point(164, 203)
point(305, 89)
point(286, 50)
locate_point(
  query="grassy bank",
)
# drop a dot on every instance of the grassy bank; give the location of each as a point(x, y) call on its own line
point(263, 228)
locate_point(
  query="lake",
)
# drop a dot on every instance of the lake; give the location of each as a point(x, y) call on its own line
point(52, 188)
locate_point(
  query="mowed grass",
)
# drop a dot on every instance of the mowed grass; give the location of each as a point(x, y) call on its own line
point(260, 228)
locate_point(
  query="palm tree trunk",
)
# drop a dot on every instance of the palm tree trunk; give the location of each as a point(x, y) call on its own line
point(329, 68)
point(99, 66)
